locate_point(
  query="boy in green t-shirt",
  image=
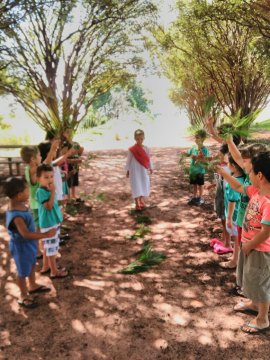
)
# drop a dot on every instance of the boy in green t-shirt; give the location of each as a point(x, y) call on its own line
point(199, 154)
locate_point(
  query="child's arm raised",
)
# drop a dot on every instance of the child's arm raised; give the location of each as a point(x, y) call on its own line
point(259, 238)
point(212, 131)
point(235, 152)
point(234, 183)
point(26, 234)
point(59, 161)
point(52, 152)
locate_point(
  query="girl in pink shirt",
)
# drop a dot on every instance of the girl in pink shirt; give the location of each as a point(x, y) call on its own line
point(253, 269)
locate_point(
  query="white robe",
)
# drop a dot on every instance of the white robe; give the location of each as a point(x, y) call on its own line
point(138, 175)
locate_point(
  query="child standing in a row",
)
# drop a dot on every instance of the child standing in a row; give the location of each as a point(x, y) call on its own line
point(50, 217)
point(253, 270)
point(198, 154)
point(23, 244)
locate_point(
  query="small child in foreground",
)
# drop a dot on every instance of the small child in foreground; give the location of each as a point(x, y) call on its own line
point(23, 244)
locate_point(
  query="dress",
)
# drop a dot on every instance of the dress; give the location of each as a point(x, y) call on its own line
point(253, 271)
point(22, 250)
point(138, 175)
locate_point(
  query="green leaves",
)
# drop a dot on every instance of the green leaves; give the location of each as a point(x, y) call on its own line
point(146, 259)
point(140, 232)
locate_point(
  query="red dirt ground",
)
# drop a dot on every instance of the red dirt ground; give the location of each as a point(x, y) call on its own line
point(180, 309)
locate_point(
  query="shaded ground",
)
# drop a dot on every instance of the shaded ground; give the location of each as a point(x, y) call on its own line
point(178, 310)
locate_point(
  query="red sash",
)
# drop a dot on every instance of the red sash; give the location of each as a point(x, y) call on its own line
point(140, 155)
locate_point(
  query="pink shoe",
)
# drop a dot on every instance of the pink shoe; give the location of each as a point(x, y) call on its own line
point(215, 241)
point(220, 250)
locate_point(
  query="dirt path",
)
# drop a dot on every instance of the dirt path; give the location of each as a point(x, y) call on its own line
point(178, 310)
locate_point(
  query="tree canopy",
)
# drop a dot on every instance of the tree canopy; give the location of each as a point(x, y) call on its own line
point(211, 51)
point(62, 55)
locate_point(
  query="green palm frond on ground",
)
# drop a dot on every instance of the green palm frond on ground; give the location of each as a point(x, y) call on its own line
point(140, 232)
point(146, 259)
point(143, 219)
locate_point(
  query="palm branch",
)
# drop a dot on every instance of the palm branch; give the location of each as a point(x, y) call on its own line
point(146, 259)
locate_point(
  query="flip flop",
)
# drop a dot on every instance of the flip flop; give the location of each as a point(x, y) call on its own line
point(220, 250)
point(40, 289)
point(253, 329)
point(61, 275)
point(215, 241)
point(28, 303)
point(45, 272)
point(243, 308)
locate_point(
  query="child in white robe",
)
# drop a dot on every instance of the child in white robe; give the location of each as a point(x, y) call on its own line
point(138, 168)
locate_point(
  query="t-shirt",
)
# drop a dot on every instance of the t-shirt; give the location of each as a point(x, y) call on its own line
point(257, 213)
point(197, 167)
point(244, 199)
point(48, 218)
point(32, 189)
point(230, 195)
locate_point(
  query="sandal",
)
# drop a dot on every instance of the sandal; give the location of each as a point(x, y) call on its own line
point(44, 272)
point(242, 307)
point(215, 241)
point(60, 274)
point(254, 329)
point(28, 303)
point(40, 289)
point(220, 250)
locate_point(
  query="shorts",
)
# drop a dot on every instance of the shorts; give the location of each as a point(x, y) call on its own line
point(74, 179)
point(196, 179)
point(51, 245)
point(253, 275)
point(24, 254)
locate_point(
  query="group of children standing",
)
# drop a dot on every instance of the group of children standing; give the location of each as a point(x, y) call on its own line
point(242, 203)
point(45, 187)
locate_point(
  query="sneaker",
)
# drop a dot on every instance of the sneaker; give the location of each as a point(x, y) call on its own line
point(200, 201)
point(192, 201)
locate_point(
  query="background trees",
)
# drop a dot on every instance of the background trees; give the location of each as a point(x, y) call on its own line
point(62, 55)
point(213, 50)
